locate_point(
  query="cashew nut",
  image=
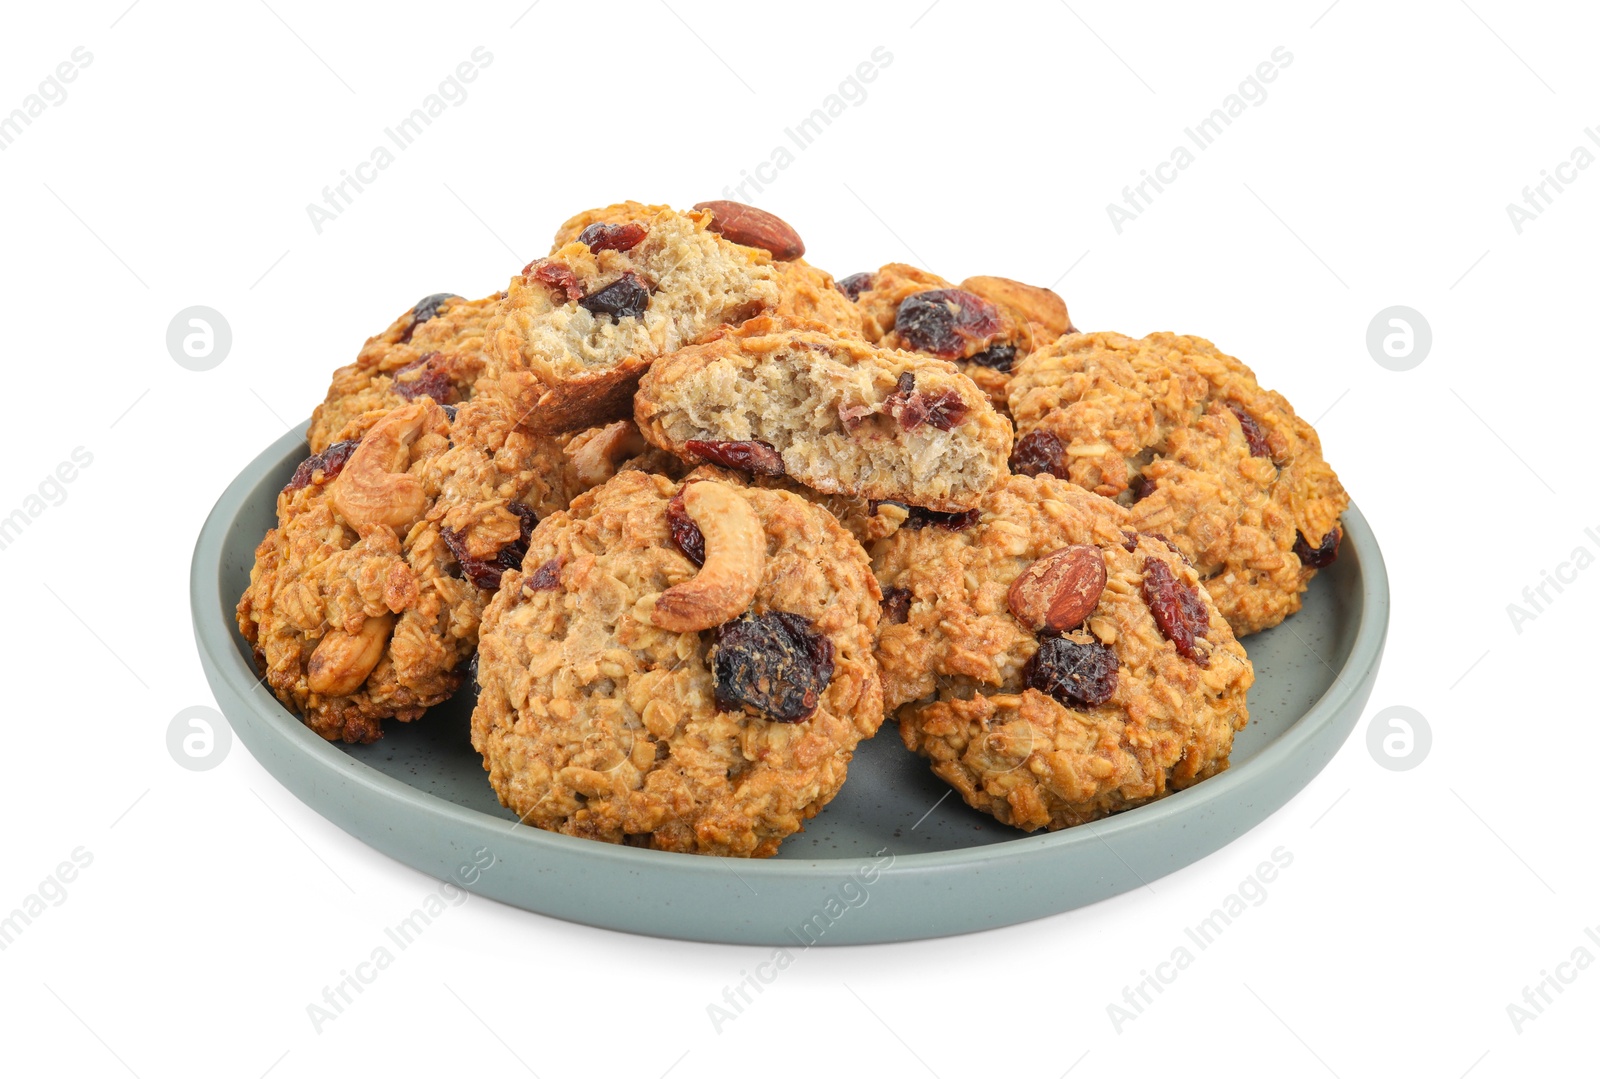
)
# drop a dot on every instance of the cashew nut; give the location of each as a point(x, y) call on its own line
point(736, 553)
point(375, 488)
point(343, 660)
point(595, 455)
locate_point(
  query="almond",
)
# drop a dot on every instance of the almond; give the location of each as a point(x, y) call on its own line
point(746, 225)
point(1027, 303)
point(1060, 590)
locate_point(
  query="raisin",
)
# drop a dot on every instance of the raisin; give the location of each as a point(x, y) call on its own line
point(897, 606)
point(1130, 540)
point(625, 296)
point(1141, 488)
point(612, 237)
point(940, 411)
point(1039, 453)
point(329, 463)
point(527, 519)
point(854, 285)
point(685, 533)
point(425, 310)
point(486, 572)
point(559, 276)
point(749, 456)
point(773, 665)
point(432, 380)
point(1322, 554)
point(999, 357)
point(918, 517)
point(1179, 611)
point(1254, 434)
point(547, 578)
point(943, 320)
point(1073, 672)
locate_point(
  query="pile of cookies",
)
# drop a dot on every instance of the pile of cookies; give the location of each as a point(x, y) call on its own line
point(696, 518)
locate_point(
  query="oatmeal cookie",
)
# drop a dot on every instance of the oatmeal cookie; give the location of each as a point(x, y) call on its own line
point(804, 290)
point(985, 325)
point(354, 608)
point(1053, 665)
point(578, 328)
point(684, 668)
point(1184, 436)
point(435, 349)
point(829, 411)
point(408, 597)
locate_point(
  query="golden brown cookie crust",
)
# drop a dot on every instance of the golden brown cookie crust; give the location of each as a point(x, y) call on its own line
point(1156, 424)
point(835, 410)
point(595, 722)
point(442, 356)
point(808, 293)
point(956, 664)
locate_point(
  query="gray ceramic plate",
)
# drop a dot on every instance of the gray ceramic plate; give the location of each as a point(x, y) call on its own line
point(893, 857)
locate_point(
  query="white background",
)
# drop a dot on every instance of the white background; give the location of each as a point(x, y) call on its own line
point(1377, 171)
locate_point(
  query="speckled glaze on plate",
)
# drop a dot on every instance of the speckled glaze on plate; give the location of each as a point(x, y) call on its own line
point(891, 858)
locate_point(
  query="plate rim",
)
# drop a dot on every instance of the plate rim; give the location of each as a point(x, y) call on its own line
point(224, 657)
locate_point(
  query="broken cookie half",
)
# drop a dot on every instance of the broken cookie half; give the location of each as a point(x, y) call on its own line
point(779, 397)
point(578, 327)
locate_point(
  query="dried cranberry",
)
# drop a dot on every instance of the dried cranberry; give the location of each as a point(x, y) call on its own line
point(942, 321)
point(775, 665)
point(940, 411)
point(625, 296)
point(1254, 434)
point(685, 533)
point(854, 285)
point(426, 309)
point(1194, 611)
point(486, 572)
point(1130, 540)
point(1179, 611)
point(999, 357)
point(1141, 488)
point(1073, 672)
point(432, 381)
point(1322, 554)
point(559, 276)
point(1039, 453)
point(330, 462)
point(547, 578)
point(897, 606)
point(612, 237)
point(749, 456)
point(918, 517)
